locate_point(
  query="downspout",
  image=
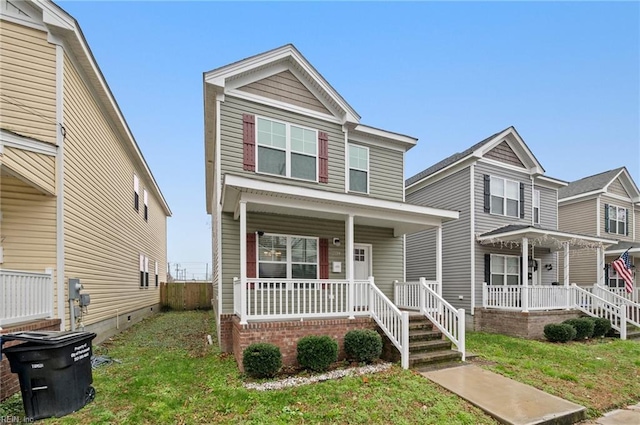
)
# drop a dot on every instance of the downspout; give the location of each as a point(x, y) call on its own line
point(472, 226)
point(60, 139)
point(217, 209)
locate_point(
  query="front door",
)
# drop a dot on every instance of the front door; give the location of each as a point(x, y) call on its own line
point(361, 271)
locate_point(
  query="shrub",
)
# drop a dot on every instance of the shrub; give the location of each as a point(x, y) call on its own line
point(261, 360)
point(600, 326)
point(559, 332)
point(363, 345)
point(583, 325)
point(316, 353)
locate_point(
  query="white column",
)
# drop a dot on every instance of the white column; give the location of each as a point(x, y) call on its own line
point(566, 273)
point(348, 231)
point(601, 276)
point(525, 273)
point(439, 258)
point(243, 262)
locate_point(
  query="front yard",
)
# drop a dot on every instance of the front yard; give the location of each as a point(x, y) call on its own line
point(169, 374)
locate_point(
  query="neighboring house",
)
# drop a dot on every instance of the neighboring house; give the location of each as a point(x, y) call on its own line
point(307, 204)
point(607, 205)
point(77, 199)
point(500, 257)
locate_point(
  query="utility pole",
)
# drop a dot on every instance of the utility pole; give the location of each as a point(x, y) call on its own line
point(177, 269)
point(206, 273)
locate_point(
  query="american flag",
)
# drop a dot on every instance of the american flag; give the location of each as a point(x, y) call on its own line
point(623, 267)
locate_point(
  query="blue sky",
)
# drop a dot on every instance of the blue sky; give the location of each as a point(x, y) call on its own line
point(565, 74)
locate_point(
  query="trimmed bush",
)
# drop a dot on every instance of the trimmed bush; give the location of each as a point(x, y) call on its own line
point(600, 326)
point(316, 353)
point(559, 332)
point(363, 345)
point(584, 327)
point(261, 360)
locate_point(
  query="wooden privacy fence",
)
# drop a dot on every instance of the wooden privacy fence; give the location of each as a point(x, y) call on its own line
point(186, 295)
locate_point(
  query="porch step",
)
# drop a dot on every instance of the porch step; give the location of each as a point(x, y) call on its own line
point(431, 358)
point(633, 333)
point(424, 335)
point(421, 346)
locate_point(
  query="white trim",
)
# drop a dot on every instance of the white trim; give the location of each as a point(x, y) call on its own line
point(618, 221)
point(504, 271)
point(24, 143)
point(369, 248)
point(136, 184)
point(216, 208)
point(60, 259)
point(581, 195)
point(404, 258)
point(378, 143)
point(495, 163)
point(347, 183)
point(145, 196)
point(599, 222)
point(504, 197)
point(536, 231)
point(617, 197)
point(367, 192)
point(551, 182)
point(472, 227)
point(533, 207)
point(407, 141)
point(29, 19)
point(282, 105)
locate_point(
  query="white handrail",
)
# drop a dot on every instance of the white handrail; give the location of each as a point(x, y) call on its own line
point(407, 294)
point(392, 321)
point(450, 321)
point(25, 296)
point(633, 308)
point(596, 306)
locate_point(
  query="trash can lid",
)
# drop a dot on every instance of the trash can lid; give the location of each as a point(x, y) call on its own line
point(45, 337)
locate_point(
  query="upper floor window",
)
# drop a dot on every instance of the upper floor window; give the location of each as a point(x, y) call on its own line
point(505, 197)
point(286, 149)
point(615, 220)
point(358, 169)
point(536, 206)
point(287, 257)
point(146, 205)
point(136, 193)
point(505, 270)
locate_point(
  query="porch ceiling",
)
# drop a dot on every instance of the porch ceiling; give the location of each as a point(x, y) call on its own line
point(276, 198)
point(541, 237)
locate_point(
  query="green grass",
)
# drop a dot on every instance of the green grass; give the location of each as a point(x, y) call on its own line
point(600, 374)
point(169, 374)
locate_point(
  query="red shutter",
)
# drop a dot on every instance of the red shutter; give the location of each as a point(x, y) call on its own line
point(323, 156)
point(251, 255)
point(249, 142)
point(324, 258)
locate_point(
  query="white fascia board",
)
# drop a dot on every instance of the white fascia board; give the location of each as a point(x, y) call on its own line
point(621, 251)
point(406, 141)
point(375, 142)
point(53, 15)
point(627, 182)
point(499, 164)
point(550, 182)
point(520, 147)
point(338, 198)
point(532, 231)
point(581, 195)
point(13, 140)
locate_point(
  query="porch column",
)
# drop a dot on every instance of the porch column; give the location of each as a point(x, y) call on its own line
point(439, 259)
point(243, 262)
point(525, 277)
point(348, 231)
point(566, 272)
point(600, 275)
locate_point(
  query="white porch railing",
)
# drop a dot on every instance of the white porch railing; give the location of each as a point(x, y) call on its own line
point(407, 294)
point(509, 297)
point(25, 296)
point(596, 306)
point(614, 297)
point(392, 321)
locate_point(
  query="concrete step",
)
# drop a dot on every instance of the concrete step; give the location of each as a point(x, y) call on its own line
point(431, 358)
point(429, 345)
point(424, 335)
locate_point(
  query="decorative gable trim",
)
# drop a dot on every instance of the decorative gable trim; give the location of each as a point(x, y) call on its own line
point(627, 183)
point(22, 13)
point(518, 147)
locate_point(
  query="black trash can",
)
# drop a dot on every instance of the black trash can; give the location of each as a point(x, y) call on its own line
point(54, 370)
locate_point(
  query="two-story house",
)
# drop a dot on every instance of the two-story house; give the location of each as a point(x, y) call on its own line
point(607, 205)
point(77, 199)
point(307, 204)
point(500, 257)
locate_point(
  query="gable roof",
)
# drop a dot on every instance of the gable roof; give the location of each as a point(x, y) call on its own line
point(599, 183)
point(287, 57)
point(478, 150)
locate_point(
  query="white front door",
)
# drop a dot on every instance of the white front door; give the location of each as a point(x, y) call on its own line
point(361, 261)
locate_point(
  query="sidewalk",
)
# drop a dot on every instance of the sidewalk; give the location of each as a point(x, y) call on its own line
point(629, 415)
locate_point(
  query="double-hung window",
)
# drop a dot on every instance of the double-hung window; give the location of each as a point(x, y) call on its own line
point(287, 257)
point(617, 220)
point(536, 207)
point(287, 150)
point(505, 197)
point(358, 169)
point(136, 193)
point(505, 270)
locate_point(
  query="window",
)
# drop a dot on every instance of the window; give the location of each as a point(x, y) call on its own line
point(505, 270)
point(146, 272)
point(287, 150)
point(536, 206)
point(505, 197)
point(358, 169)
point(141, 271)
point(156, 274)
point(136, 193)
point(287, 257)
point(146, 205)
point(617, 220)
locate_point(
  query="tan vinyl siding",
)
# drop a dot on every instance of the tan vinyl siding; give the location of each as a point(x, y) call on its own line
point(548, 207)
point(285, 87)
point(37, 168)
point(386, 260)
point(616, 188)
point(606, 200)
point(27, 227)
point(579, 217)
point(504, 153)
point(104, 234)
point(385, 172)
point(453, 193)
point(27, 82)
point(583, 266)
point(231, 111)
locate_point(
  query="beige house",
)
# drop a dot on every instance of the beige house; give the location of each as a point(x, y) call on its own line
point(77, 199)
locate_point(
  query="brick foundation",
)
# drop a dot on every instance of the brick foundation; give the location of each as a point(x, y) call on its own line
point(286, 334)
point(9, 384)
point(225, 333)
point(516, 323)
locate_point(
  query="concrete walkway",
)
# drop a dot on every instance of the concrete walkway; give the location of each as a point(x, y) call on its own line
point(506, 400)
point(627, 416)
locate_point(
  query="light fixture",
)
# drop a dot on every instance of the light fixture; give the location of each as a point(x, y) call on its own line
point(549, 267)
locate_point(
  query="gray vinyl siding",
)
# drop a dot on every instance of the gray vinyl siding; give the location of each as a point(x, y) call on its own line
point(636, 219)
point(548, 207)
point(231, 154)
point(487, 221)
point(385, 172)
point(452, 192)
point(387, 251)
point(606, 200)
point(616, 188)
point(579, 217)
point(504, 153)
point(583, 266)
